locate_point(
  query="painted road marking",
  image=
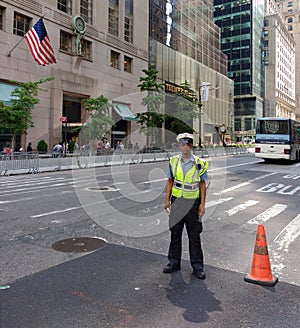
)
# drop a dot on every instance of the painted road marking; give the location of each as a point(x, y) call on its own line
point(288, 234)
point(241, 207)
point(268, 214)
point(281, 245)
point(216, 202)
point(243, 184)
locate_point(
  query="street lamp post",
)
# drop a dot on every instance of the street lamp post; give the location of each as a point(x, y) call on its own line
point(203, 96)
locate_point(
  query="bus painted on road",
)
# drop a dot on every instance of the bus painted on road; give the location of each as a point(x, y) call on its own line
point(277, 138)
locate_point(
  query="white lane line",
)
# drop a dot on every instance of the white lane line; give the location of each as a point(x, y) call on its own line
point(33, 189)
point(268, 214)
point(30, 182)
point(243, 184)
point(216, 202)
point(229, 166)
point(241, 207)
point(35, 197)
point(288, 234)
point(232, 188)
point(262, 177)
point(150, 181)
point(281, 244)
point(83, 206)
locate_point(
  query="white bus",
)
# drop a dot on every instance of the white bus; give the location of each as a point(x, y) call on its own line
point(277, 138)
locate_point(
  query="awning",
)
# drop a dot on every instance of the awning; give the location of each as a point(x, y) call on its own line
point(5, 91)
point(125, 112)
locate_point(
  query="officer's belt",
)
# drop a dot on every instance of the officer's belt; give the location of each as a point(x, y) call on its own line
point(186, 187)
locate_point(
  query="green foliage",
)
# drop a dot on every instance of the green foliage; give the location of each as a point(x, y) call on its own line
point(186, 108)
point(152, 119)
point(101, 121)
point(42, 146)
point(149, 82)
point(71, 146)
point(16, 118)
point(187, 105)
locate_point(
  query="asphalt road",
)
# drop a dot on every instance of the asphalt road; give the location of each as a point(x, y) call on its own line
point(121, 284)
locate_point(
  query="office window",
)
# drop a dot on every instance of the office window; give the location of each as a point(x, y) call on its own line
point(65, 6)
point(114, 59)
point(1, 18)
point(21, 24)
point(290, 4)
point(86, 49)
point(128, 21)
point(113, 17)
point(290, 20)
point(127, 64)
point(65, 43)
point(86, 10)
point(290, 27)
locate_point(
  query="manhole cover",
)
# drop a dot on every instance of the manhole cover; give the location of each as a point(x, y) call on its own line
point(78, 245)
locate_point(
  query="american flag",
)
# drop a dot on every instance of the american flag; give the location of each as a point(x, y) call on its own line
point(39, 44)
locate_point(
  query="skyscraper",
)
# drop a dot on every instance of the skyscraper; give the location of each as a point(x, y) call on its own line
point(241, 24)
point(185, 46)
point(290, 10)
point(279, 60)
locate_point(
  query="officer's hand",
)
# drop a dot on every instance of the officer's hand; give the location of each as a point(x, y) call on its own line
point(201, 210)
point(167, 207)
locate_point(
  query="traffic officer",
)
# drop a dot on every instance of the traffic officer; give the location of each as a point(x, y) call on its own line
point(185, 203)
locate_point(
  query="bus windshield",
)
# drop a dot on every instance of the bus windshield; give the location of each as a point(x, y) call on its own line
point(272, 126)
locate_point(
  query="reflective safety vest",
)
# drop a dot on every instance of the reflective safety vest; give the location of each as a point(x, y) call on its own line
point(187, 186)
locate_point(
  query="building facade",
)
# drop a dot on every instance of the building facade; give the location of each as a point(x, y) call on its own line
point(290, 11)
point(105, 58)
point(241, 24)
point(185, 46)
point(279, 59)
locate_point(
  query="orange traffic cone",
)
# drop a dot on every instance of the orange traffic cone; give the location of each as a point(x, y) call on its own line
point(261, 269)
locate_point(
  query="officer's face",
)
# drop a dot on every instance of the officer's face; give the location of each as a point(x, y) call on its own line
point(185, 148)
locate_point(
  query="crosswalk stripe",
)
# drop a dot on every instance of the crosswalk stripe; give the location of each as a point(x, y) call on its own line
point(268, 214)
point(288, 234)
point(241, 207)
point(216, 202)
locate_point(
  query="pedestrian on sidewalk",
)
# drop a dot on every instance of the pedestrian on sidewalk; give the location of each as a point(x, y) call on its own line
point(185, 203)
point(29, 148)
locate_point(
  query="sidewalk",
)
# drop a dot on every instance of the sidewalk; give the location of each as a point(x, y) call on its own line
point(117, 286)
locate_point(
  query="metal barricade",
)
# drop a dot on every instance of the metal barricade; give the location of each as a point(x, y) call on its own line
point(21, 163)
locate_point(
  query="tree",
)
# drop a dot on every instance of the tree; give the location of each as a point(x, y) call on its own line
point(186, 107)
point(152, 119)
point(100, 119)
point(16, 117)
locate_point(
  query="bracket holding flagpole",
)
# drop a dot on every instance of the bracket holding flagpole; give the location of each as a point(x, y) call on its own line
point(15, 46)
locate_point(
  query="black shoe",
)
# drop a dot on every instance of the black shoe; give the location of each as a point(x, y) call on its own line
point(171, 268)
point(199, 274)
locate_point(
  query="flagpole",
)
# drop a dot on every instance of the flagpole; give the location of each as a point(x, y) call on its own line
point(15, 46)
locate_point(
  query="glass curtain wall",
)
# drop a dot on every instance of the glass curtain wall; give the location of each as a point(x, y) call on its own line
point(187, 26)
point(241, 24)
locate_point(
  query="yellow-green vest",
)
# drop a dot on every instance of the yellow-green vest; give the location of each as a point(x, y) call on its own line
point(187, 186)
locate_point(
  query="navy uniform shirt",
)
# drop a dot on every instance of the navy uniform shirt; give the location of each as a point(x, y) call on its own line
point(186, 165)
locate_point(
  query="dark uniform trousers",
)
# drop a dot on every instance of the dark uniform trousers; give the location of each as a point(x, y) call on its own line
point(185, 212)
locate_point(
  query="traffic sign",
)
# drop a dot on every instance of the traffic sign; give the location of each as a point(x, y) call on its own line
point(63, 119)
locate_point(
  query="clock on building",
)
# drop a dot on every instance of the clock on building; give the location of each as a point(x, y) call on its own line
point(78, 24)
